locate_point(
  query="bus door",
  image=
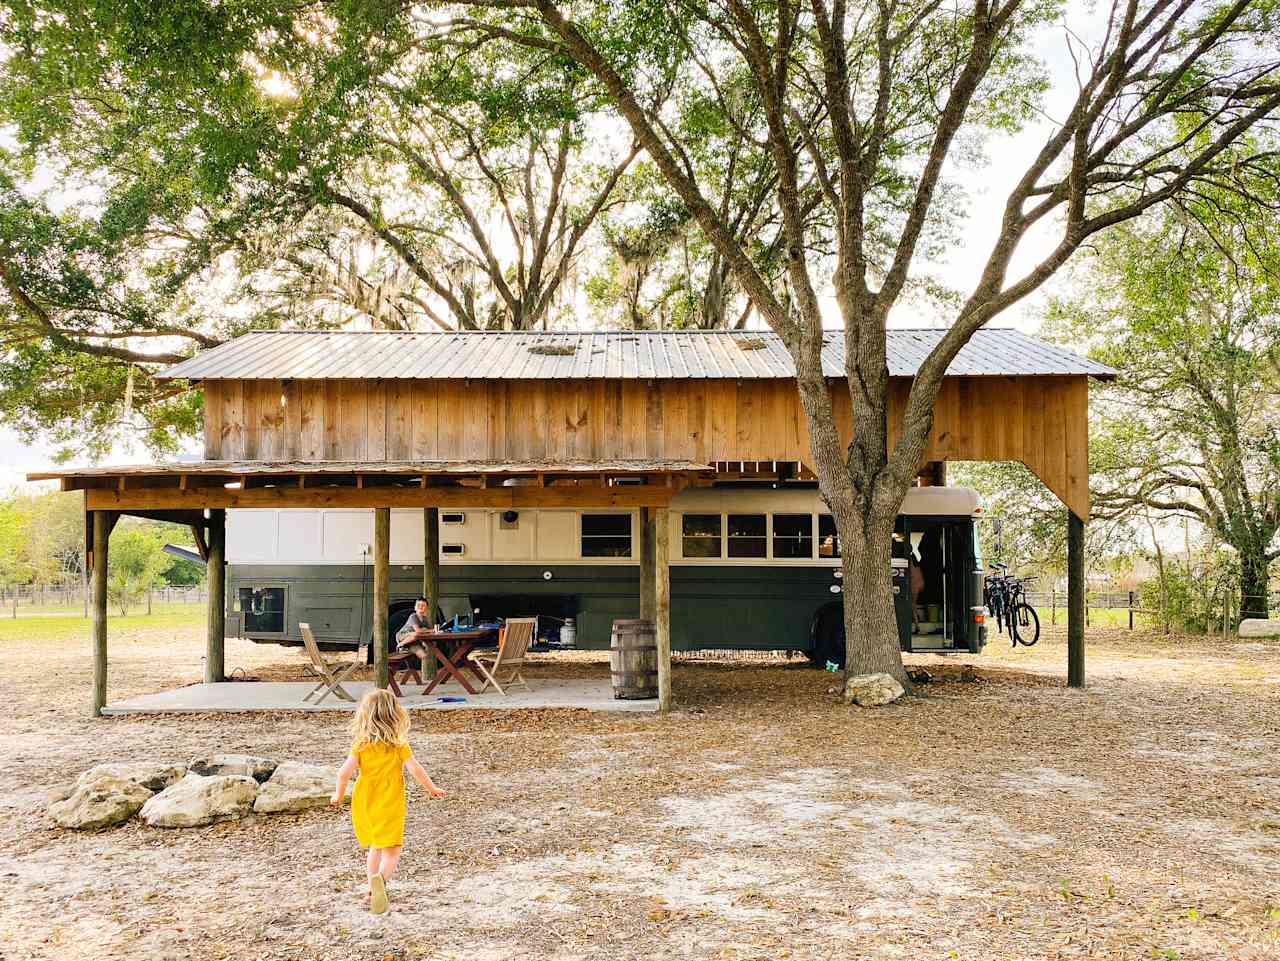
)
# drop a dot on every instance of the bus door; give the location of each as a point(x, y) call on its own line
point(938, 549)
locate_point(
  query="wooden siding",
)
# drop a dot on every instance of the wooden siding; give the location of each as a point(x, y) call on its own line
point(1041, 421)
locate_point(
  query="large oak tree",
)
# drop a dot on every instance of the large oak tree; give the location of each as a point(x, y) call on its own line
point(1165, 91)
point(864, 119)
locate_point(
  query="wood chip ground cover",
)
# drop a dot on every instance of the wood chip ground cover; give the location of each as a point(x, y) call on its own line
point(1006, 817)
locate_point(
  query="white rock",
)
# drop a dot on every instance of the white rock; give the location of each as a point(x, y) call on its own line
point(197, 800)
point(99, 803)
point(258, 768)
point(1258, 627)
point(296, 787)
point(872, 690)
point(151, 775)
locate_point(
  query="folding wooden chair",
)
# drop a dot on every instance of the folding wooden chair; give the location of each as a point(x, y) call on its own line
point(331, 674)
point(513, 645)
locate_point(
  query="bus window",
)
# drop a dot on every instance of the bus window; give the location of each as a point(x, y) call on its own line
point(606, 535)
point(701, 535)
point(262, 609)
point(793, 535)
point(747, 537)
point(828, 539)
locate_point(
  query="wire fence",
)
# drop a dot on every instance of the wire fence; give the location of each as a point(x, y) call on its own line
point(1223, 617)
point(25, 599)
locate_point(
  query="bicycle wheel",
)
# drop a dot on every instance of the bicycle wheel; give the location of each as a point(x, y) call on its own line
point(1024, 624)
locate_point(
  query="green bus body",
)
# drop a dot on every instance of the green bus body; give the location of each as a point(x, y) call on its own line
point(757, 605)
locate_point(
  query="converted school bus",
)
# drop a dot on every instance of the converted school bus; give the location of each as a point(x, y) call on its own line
point(594, 475)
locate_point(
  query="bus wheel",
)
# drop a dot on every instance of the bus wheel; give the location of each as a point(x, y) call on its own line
point(828, 637)
point(395, 620)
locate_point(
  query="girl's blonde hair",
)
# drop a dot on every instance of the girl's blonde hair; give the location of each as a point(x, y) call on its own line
point(379, 720)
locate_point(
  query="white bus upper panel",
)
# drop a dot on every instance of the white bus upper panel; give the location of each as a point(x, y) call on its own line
point(345, 536)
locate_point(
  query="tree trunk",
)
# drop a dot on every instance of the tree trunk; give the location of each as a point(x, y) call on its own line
point(1253, 585)
point(864, 502)
point(1162, 574)
point(872, 644)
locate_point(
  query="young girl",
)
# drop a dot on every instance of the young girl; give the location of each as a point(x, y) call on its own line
point(380, 751)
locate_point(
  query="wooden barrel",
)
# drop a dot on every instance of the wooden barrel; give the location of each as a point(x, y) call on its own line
point(633, 658)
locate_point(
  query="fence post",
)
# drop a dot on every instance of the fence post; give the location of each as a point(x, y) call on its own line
point(1086, 608)
point(1131, 610)
point(1053, 610)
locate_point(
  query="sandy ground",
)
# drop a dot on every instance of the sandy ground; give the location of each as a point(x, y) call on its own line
point(1006, 817)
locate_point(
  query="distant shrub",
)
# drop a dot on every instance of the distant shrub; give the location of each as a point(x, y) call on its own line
point(1197, 592)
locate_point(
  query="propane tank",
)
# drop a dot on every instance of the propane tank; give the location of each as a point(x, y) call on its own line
point(568, 633)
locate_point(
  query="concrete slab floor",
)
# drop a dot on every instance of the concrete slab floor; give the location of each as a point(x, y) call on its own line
point(236, 696)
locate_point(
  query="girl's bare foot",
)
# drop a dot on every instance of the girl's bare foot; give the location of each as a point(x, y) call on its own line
point(378, 902)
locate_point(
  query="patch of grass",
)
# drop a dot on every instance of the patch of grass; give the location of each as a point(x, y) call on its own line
point(172, 617)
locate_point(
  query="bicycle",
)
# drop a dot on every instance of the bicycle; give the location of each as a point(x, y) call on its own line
point(1005, 596)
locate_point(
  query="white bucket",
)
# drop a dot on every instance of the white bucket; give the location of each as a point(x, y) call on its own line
point(568, 633)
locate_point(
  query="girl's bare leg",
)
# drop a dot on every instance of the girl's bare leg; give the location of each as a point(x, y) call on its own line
point(371, 863)
point(389, 861)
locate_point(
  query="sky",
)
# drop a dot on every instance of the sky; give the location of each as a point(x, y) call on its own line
point(1008, 156)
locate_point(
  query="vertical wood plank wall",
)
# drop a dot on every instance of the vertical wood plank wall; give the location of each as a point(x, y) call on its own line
point(1041, 421)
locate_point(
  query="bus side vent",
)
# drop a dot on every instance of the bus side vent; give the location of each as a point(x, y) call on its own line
point(453, 550)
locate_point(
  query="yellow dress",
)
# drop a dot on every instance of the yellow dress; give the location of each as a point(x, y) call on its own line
point(377, 803)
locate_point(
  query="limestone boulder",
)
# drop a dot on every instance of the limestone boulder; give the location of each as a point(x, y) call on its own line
point(100, 802)
point(151, 775)
point(296, 787)
point(872, 690)
point(248, 765)
point(197, 800)
point(1260, 627)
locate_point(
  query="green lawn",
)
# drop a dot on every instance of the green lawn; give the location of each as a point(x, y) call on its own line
point(70, 626)
point(1098, 616)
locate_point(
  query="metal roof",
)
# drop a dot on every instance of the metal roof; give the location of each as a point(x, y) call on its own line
point(575, 355)
point(231, 468)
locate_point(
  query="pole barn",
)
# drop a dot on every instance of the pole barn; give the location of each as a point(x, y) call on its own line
point(432, 421)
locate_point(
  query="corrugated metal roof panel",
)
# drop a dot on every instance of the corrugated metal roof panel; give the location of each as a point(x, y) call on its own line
point(574, 355)
point(409, 468)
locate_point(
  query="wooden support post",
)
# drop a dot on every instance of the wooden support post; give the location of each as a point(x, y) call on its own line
point(1075, 600)
point(431, 574)
point(381, 591)
point(1131, 610)
point(102, 523)
point(647, 597)
point(662, 604)
point(215, 659)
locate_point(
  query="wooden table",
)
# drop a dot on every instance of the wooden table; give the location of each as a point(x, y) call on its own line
point(451, 649)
